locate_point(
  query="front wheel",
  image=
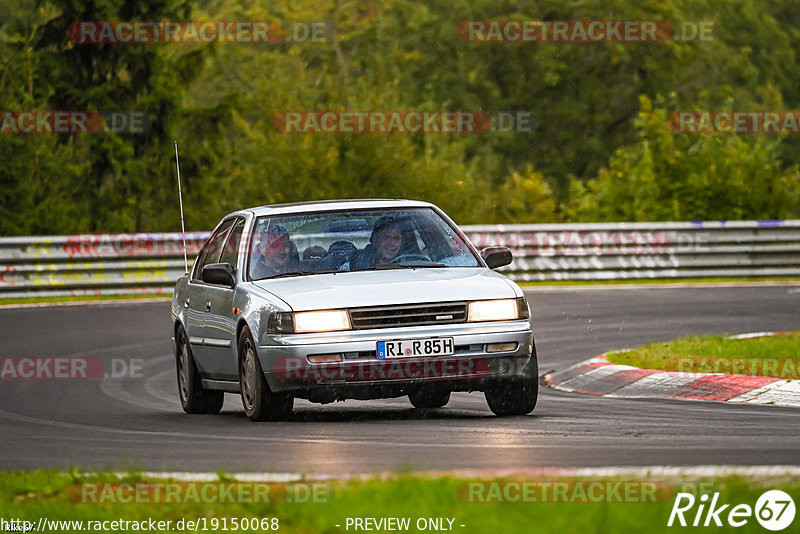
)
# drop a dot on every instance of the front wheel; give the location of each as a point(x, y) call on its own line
point(194, 399)
point(517, 396)
point(260, 404)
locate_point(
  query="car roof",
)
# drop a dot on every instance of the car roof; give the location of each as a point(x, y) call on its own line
point(336, 205)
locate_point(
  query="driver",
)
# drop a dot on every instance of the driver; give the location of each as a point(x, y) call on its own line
point(384, 244)
point(275, 254)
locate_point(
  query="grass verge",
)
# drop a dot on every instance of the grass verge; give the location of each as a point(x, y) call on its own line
point(776, 356)
point(623, 506)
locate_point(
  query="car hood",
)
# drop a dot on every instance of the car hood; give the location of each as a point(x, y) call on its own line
point(396, 286)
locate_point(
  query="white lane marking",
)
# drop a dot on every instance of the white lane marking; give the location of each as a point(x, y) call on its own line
point(700, 471)
point(645, 472)
point(752, 335)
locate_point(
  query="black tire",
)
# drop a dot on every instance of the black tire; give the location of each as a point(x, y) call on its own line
point(194, 399)
point(517, 396)
point(429, 398)
point(260, 404)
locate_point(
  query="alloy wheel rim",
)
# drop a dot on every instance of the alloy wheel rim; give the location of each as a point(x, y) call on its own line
point(183, 362)
point(249, 372)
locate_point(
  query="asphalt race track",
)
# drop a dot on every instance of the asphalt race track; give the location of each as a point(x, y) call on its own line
point(136, 421)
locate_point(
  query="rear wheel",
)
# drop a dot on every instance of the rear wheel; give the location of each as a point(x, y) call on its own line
point(517, 396)
point(194, 399)
point(260, 404)
point(427, 398)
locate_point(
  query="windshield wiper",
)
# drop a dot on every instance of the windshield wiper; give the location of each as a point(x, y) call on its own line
point(301, 273)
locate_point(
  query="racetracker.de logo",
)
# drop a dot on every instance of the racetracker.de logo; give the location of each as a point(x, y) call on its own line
point(582, 31)
point(69, 368)
point(115, 245)
point(579, 243)
point(564, 491)
point(735, 122)
point(204, 32)
point(403, 122)
point(199, 492)
point(299, 369)
point(775, 367)
point(73, 122)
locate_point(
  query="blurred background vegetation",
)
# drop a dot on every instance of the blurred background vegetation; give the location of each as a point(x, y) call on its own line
point(601, 149)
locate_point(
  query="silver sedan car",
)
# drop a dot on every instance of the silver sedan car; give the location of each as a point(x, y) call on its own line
point(354, 299)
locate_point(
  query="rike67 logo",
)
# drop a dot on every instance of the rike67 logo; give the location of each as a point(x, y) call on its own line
point(774, 510)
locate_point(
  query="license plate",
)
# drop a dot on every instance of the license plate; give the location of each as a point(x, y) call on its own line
point(442, 346)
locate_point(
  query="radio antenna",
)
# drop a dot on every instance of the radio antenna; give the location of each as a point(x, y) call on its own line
point(180, 199)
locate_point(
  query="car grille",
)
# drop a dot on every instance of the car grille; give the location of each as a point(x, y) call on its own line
point(408, 315)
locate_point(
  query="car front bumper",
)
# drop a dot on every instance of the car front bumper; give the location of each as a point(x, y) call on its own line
point(361, 374)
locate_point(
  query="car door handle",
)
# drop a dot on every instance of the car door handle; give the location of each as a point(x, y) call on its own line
point(186, 303)
point(208, 305)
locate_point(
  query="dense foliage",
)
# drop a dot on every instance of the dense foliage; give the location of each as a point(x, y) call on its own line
point(600, 150)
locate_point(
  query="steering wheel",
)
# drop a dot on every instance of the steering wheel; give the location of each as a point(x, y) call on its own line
point(412, 257)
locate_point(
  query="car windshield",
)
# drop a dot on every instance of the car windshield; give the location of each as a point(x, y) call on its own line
point(357, 240)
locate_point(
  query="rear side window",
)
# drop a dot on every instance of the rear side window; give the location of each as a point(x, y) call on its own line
point(212, 249)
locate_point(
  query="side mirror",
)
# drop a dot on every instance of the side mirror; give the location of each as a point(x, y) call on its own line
point(496, 256)
point(220, 274)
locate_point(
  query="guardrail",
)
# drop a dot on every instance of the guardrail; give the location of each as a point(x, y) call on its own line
point(611, 251)
point(107, 264)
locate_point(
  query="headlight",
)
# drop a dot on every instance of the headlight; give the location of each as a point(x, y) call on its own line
point(321, 321)
point(498, 310)
point(310, 321)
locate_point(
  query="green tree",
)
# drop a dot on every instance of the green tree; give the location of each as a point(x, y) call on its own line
point(682, 177)
point(525, 197)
